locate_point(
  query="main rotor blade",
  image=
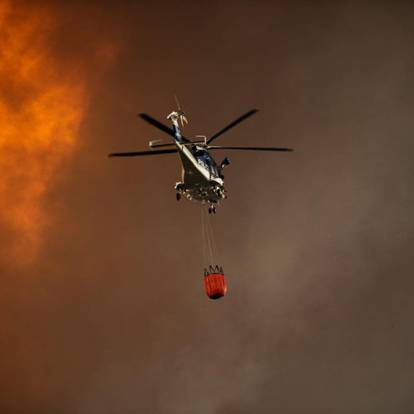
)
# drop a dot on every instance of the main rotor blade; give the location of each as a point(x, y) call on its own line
point(162, 145)
point(160, 125)
point(233, 124)
point(141, 153)
point(157, 124)
point(250, 148)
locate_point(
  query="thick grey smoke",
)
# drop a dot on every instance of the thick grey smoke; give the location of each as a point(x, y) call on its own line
point(316, 244)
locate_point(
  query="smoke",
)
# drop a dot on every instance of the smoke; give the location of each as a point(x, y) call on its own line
point(43, 102)
point(108, 312)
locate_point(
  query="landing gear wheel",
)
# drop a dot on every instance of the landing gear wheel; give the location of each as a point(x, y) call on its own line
point(178, 196)
point(213, 209)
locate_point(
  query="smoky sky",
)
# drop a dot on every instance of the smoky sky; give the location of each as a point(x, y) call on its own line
point(111, 316)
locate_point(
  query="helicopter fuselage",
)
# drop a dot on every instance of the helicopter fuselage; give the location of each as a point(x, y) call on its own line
point(201, 177)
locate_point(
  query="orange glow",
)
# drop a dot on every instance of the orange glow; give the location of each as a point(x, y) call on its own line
point(42, 105)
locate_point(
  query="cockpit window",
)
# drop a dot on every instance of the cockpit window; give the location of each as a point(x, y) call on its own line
point(204, 159)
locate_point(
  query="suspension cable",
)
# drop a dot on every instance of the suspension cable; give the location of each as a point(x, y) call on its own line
point(210, 248)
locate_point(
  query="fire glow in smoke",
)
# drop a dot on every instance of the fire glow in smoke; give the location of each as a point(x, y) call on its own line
point(42, 104)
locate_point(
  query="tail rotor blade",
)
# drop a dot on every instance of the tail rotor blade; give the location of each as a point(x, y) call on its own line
point(183, 120)
point(180, 112)
point(177, 102)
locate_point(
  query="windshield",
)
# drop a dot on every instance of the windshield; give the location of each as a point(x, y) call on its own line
point(204, 159)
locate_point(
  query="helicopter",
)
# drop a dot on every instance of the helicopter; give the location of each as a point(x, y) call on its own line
point(202, 178)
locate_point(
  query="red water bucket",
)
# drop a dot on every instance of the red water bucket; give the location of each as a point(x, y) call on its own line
point(215, 282)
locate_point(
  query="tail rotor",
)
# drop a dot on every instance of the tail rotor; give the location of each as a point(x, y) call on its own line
point(180, 112)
